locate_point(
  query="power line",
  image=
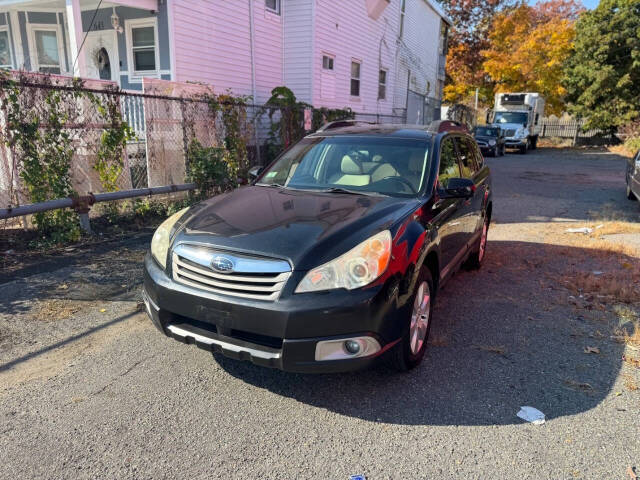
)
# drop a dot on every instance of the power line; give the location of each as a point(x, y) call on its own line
point(95, 12)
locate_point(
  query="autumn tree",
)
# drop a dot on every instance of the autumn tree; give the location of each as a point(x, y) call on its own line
point(469, 36)
point(603, 75)
point(529, 47)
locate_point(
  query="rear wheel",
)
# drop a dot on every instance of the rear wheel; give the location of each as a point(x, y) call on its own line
point(408, 353)
point(477, 256)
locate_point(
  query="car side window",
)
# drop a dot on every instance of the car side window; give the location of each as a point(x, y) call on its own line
point(478, 155)
point(449, 167)
point(467, 157)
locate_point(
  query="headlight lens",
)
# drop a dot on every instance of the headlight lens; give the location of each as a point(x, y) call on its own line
point(358, 267)
point(520, 134)
point(492, 142)
point(162, 237)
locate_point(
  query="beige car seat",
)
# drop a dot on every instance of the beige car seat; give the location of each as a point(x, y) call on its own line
point(350, 174)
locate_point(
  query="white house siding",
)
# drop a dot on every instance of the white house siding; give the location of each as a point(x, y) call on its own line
point(418, 53)
point(349, 33)
point(298, 47)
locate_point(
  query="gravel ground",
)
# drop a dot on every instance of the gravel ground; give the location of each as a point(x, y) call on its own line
point(88, 389)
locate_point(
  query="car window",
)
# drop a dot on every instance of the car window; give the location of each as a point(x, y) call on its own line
point(386, 165)
point(449, 167)
point(478, 155)
point(467, 157)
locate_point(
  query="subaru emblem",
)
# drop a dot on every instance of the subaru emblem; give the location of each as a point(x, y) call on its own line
point(222, 264)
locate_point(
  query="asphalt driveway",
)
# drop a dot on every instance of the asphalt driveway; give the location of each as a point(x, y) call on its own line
point(88, 388)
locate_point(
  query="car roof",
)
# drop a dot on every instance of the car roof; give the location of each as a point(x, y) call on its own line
point(419, 132)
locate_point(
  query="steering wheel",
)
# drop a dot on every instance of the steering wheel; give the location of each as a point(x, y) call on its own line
point(402, 180)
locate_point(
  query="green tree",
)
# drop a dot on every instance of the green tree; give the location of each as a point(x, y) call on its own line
point(603, 76)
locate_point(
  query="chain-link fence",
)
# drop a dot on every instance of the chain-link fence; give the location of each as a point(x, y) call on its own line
point(97, 138)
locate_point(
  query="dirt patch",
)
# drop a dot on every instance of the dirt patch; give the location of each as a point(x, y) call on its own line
point(55, 309)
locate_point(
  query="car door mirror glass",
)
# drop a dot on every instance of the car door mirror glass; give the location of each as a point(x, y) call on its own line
point(459, 188)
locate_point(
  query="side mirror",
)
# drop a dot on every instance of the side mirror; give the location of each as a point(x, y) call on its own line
point(254, 172)
point(460, 188)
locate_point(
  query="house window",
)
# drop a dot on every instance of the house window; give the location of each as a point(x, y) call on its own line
point(142, 42)
point(355, 79)
point(272, 6)
point(5, 50)
point(327, 62)
point(46, 48)
point(402, 11)
point(382, 85)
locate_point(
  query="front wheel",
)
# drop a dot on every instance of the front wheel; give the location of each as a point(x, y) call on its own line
point(524, 148)
point(630, 194)
point(408, 353)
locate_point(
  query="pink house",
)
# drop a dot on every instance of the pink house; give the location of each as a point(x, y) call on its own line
point(374, 56)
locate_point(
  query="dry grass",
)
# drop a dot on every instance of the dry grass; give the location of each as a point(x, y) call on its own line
point(55, 309)
point(615, 287)
point(630, 383)
point(621, 150)
point(615, 227)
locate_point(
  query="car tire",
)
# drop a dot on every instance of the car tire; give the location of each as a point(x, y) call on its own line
point(630, 194)
point(523, 149)
point(474, 262)
point(410, 350)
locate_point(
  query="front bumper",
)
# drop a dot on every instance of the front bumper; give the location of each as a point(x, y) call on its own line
point(281, 334)
point(515, 143)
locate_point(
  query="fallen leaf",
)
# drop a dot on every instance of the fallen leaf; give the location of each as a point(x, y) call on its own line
point(64, 286)
point(632, 473)
point(591, 350)
point(102, 310)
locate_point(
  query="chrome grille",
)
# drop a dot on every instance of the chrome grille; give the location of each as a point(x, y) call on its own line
point(510, 133)
point(253, 277)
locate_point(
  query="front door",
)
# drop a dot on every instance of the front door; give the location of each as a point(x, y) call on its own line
point(101, 50)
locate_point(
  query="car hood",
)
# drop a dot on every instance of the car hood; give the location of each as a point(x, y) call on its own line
point(305, 228)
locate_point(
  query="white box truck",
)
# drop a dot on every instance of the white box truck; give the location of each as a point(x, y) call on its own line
point(520, 116)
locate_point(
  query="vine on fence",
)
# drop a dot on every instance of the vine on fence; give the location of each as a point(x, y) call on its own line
point(210, 168)
point(287, 117)
point(42, 130)
point(36, 131)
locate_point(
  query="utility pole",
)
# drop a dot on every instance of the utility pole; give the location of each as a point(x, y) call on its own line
point(477, 91)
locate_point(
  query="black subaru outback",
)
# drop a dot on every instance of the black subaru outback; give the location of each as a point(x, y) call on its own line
point(332, 257)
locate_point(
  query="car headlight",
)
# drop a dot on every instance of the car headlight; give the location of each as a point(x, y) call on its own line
point(492, 142)
point(521, 134)
point(162, 237)
point(358, 267)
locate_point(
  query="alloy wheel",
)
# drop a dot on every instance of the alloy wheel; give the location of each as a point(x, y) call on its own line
point(420, 318)
point(483, 241)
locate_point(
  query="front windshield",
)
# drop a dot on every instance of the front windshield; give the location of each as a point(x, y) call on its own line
point(368, 165)
point(510, 117)
point(486, 132)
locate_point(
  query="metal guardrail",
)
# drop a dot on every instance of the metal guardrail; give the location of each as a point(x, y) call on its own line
point(82, 204)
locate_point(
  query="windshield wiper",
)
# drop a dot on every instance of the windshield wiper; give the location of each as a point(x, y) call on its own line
point(274, 185)
point(351, 192)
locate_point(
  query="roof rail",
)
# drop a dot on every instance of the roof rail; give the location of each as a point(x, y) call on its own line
point(342, 123)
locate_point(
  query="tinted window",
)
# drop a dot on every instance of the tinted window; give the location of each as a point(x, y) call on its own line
point(467, 157)
point(449, 167)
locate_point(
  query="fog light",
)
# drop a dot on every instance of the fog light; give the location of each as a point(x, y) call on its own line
point(352, 347)
point(346, 348)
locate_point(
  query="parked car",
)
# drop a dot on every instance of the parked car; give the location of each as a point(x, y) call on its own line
point(331, 259)
point(490, 140)
point(633, 177)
